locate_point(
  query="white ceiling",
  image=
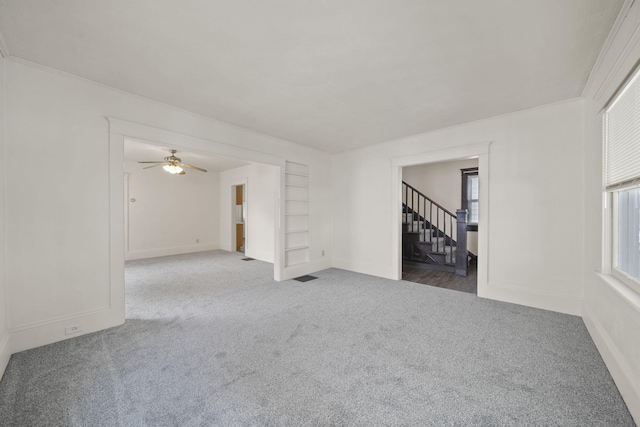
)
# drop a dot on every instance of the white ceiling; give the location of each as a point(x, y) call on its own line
point(139, 151)
point(330, 74)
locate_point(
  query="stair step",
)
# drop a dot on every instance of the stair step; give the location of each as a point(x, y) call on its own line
point(415, 227)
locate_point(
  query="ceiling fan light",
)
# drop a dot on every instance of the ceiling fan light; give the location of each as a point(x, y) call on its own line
point(172, 169)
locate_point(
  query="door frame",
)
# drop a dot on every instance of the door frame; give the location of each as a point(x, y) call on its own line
point(119, 130)
point(479, 151)
point(245, 206)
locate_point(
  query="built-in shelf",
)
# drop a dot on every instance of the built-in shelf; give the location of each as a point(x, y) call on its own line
point(296, 173)
point(297, 248)
point(303, 230)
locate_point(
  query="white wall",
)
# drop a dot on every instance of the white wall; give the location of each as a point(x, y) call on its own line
point(5, 351)
point(60, 170)
point(171, 214)
point(611, 311)
point(535, 177)
point(261, 199)
point(442, 183)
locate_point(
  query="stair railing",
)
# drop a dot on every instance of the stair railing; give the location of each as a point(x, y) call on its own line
point(449, 229)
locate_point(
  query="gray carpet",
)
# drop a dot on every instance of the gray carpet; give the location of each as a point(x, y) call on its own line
point(213, 340)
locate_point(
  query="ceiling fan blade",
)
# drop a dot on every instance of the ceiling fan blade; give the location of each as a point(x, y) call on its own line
point(193, 167)
point(154, 162)
point(153, 166)
point(182, 173)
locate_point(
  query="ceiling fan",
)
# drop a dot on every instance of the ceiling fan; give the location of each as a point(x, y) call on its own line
point(173, 165)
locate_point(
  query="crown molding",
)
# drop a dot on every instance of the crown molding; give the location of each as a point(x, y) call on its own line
point(606, 67)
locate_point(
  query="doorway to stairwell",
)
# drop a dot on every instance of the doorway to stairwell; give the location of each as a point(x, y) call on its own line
point(440, 216)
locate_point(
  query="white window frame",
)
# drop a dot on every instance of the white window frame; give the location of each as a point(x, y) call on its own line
point(611, 188)
point(611, 241)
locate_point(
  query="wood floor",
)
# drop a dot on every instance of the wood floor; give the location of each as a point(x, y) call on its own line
point(442, 279)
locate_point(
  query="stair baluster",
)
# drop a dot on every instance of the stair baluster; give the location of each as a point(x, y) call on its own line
point(449, 250)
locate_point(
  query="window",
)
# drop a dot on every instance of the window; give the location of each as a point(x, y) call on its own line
point(627, 209)
point(470, 196)
point(622, 182)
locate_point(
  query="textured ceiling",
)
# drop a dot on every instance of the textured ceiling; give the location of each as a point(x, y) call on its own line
point(334, 75)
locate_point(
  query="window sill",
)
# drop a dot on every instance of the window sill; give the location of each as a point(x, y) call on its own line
point(621, 289)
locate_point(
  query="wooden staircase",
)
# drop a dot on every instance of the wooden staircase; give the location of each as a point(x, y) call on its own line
point(433, 236)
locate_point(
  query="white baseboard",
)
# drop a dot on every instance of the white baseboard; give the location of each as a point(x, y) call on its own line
point(43, 333)
point(628, 384)
point(365, 268)
point(261, 256)
point(177, 250)
point(534, 298)
point(306, 268)
point(5, 352)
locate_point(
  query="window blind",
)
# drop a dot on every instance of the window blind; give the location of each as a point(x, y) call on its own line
point(622, 134)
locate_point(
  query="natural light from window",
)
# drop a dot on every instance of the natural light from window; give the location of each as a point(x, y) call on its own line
point(473, 198)
point(628, 232)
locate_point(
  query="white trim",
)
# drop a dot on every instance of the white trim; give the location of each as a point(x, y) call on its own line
point(264, 256)
point(368, 268)
point(623, 375)
point(629, 281)
point(305, 268)
point(5, 352)
point(620, 60)
point(467, 151)
point(58, 319)
point(610, 245)
point(625, 87)
point(481, 151)
point(628, 295)
point(5, 344)
point(535, 298)
point(605, 50)
point(52, 331)
point(164, 137)
point(607, 229)
point(176, 250)
point(116, 227)
point(609, 242)
point(126, 214)
point(279, 238)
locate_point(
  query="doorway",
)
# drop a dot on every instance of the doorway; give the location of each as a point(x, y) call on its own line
point(440, 224)
point(239, 217)
point(121, 130)
point(479, 151)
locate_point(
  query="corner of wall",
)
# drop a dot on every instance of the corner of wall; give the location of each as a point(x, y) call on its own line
point(5, 336)
point(5, 351)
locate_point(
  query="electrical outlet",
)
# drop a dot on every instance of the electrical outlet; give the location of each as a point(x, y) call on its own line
point(322, 253)
point(72, 330)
